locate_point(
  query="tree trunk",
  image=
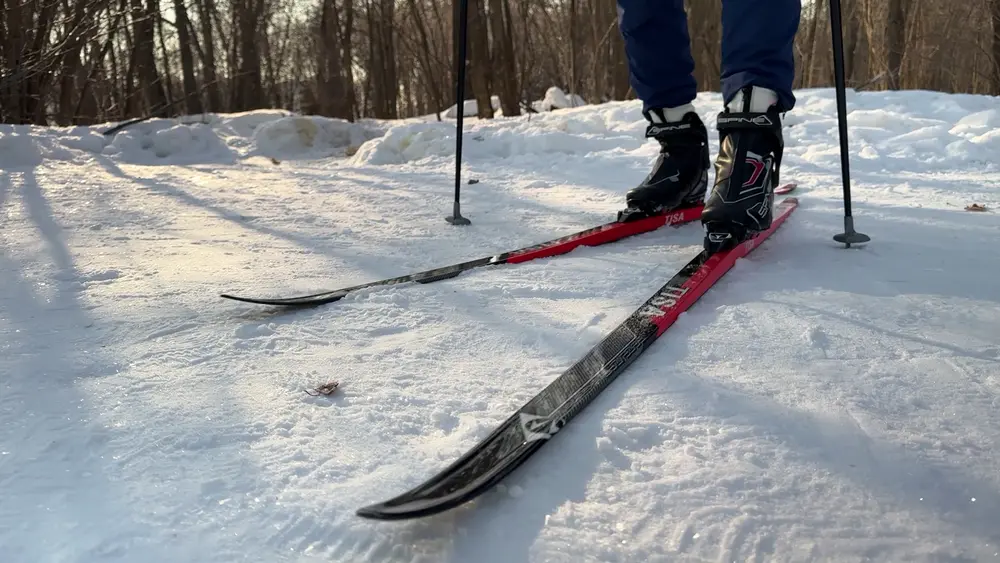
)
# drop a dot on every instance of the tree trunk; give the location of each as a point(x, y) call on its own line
point(144, 36)
point(479, 60)
point(995, 13)
point(192, 100)
point(814, 68)
point(332, 95)
point(503, 57)
point(382, 59)
point(347, 51)
point(206, 9)
point(423, 57)
point(896, 42)
point(249, 92)
point(70, 66)
point(851, 34)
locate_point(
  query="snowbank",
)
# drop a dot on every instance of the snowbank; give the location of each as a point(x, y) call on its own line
point(614, 126)
point(909, 130)
point(555, 98)
point(26, 146)
point(310, 137)
point(883, 128)
point(193, 139)
point(164, 142)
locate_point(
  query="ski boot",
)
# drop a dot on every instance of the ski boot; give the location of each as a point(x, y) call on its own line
point(680, 174)
point(746, 170)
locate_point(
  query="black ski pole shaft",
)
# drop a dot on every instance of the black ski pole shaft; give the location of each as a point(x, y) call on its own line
point(463, 24)
point(849, 235)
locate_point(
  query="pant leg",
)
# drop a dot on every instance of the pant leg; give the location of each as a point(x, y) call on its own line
point(757, 43)
point(658, 49)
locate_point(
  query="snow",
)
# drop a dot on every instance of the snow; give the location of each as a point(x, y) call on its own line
point(555, 98)
point(817, 404)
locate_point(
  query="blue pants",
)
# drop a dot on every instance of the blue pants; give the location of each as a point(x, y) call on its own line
point(757, 38)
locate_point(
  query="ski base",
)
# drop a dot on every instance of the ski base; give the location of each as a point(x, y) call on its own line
point(528, 429)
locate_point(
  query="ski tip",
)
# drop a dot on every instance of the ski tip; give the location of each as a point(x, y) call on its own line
point(393, 510)
point(373, 512)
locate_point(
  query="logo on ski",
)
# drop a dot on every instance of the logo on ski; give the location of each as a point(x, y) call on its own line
point(537, 427)
point(676, 217)
point(663, 300)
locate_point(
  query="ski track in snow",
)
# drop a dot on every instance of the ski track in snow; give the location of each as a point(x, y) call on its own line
point(818, 404)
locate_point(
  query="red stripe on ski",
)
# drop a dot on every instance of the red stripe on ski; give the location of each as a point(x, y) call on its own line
point(607, 233)
point(713, 269)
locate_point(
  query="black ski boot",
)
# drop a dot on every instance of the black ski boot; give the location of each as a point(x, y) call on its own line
point(680, 174)
point(746, 170)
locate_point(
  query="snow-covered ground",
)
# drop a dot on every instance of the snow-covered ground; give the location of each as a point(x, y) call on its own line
point(818, 404)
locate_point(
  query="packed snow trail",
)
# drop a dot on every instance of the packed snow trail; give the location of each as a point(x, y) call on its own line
point(818, 404)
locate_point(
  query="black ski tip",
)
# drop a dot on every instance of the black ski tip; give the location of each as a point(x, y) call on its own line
point(302, 301)
point(378, 512)
point(374, 512)
point(402, 508)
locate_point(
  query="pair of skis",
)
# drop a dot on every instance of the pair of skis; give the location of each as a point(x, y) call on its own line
point(537, 421)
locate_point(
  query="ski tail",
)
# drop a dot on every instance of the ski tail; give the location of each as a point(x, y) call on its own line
point(596, 236)
point(521, 435)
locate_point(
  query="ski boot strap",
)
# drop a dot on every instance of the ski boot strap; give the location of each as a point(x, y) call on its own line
point(742, 121)
point(661, 129)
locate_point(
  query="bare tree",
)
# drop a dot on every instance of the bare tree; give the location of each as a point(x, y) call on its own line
point(504, 61)
point(995, 20)
point(87, 61)
point(895, 39)
point(192, 99)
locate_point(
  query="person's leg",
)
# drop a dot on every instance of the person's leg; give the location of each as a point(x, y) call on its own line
point(757, 86)
point(658, 50)
point(660, 66)
point(757, 42)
